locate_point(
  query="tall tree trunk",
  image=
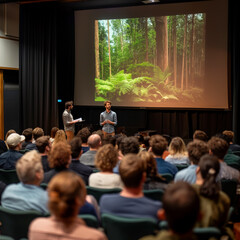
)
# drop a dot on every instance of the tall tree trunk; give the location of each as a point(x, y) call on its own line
point(174, 36)
point(192, 42)
point(97, 74)
point(109, 51)
point(146, 38)
point(183, 52)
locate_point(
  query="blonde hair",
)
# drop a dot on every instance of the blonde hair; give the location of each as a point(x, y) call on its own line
point(64, 190)
point(60, 136)
point(177, 147)
point(28, 165)
point(106, 157)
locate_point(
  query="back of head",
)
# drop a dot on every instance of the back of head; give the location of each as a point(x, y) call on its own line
point(84, 134)
point(94, 141)
point(218, 147)
point(131, 170)
point(67, 193)
point(209, 169)
point(60, 155)
point(53, 131)
point(9, 132)
point(42, 143)
point(229, 134)
point(37, 132)
point(177, 146)
point(106, 158)
point(27, 166)
point(181, 205)
point(158, 144)
point(76, 147)
point(129, 145)
point(27, 133)
point(200, 135)
point(13, 140)
point(196, 149)
point(60, 136)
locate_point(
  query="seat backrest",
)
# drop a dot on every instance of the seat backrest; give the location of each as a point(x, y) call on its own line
point(8, 176)
point(98, 192)
point(181, 166)
point(207, 233)
point(155, 194)
point(3, 237)
point(169, 177)
point(229, 186)
point(15, 223)
point(119, 228)
point(90, 220)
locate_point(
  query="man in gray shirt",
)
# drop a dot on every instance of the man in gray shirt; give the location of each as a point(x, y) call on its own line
point(108, 120)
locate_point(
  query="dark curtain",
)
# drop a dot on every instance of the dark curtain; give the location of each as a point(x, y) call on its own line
point(38, 66)
point(234, 39)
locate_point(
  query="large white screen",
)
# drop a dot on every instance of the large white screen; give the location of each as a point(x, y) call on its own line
point(171, 56)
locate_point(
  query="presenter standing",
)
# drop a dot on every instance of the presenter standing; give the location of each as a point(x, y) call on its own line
point(108, 120)
point(68, 122)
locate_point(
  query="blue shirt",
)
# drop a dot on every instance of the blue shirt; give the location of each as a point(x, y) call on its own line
point(187, 175)
point(8, 159)
point(129, 207)
point(112, 116)
point(25, 197)
point(165, 167)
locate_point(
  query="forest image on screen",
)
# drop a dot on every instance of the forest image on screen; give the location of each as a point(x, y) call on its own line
point(150, 59)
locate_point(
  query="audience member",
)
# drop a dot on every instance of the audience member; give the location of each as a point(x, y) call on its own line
point(180, 210)
point(215, 204)
point(177, 152)
point(218, 147)
point(37, 132)
point(158, 145)
point(131, 202)
point(126, 145)
point(27, 195)
point(196, 149)
point(200, 135)
point(44, 145)
point(233, 146)
point(75, 165)
point(60, 136)
point(67, 194)
point(53, 133)
point(9, 132)
point(59, 160)
point(84, 134)
point(8, 159)
point(27, 133)
point(3, 147)
point(105, 160)
point(153, 180)
point(168, 139)
point(94, 142)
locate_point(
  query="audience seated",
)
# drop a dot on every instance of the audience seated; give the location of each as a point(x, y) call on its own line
point(126, 145)
point(177, 152)
point(105, 160)
point(60, 136)
point(8, 159)
point(75, 165)
point(27, 195)
point(158, 145)
point(53, 133)
point(37, 132)
point(215, 204)
point(3, 147)
point(168, 139)
point(84, 134)
point(67, 194)
point(153, 179)
point(218, 147)
point(27, 133)
point(196, 149)
point(232, 146)
point(200, 135)
point(44, 145)
point(9, 132)
point(131, 201)
point(181, 210)
point(94, 142)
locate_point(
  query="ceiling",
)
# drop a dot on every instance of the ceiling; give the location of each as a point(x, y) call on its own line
point(93, 4)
